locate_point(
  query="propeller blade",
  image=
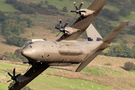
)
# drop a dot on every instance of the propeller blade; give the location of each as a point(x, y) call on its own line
point(75, 6)
point(58, 34)
point(18, 75)
point(25, 62)
point(10, 74)
point(72, 11)
point(80, 5)
point(57, 28)
point(14, 72)
point(66, 24)
point(82, 11)
point(8, 80)
point(60, 23)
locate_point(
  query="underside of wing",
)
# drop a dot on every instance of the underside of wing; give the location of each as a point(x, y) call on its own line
point(84, 21)
point(88, 60)
point(32, 73)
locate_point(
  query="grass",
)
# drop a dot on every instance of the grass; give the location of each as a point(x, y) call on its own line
point(6, 7)
point(131, 36)
point(112, 8)
point(5, 66)
point(98, 72)
point(51, 82)
point(3, 86)
point(102, 71)
point(59, 83)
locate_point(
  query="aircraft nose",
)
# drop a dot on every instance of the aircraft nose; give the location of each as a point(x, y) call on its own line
point(28, 53)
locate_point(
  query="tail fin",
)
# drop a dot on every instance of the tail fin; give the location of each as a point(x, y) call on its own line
point(92, 34)
point(110, 37)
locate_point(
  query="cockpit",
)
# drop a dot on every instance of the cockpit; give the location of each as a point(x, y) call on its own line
point(27, 44)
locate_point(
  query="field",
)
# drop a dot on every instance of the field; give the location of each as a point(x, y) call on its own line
point(103, 73)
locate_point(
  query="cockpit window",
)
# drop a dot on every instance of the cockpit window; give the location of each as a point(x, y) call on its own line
point(30, 46)
point(26, 45)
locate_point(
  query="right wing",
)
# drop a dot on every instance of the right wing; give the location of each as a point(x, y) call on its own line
point(83, 22)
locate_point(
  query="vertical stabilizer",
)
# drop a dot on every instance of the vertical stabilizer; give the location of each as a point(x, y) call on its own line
point(92, 34)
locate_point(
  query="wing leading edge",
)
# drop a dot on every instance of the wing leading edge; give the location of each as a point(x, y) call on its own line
point(83, 22)
point(32, 73)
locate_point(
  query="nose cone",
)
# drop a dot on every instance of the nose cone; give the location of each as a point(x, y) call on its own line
point(29, 53)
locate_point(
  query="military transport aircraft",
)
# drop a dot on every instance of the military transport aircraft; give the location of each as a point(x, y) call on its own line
point(66, 50)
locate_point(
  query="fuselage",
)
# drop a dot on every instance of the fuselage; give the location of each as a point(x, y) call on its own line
point(59, 53)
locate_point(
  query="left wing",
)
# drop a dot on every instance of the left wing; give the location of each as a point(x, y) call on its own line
point(84, 21)
point(32, 73)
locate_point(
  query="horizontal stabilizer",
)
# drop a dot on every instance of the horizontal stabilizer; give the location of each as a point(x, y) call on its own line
point(110, 37)
point(105, 43)
point(88, 60)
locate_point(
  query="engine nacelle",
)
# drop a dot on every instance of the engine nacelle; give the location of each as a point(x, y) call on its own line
point(70, 30)
point(87, 12)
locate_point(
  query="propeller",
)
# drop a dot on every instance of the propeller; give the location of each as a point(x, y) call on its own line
point(61, 28)
point(13, 77)
point(78, 10)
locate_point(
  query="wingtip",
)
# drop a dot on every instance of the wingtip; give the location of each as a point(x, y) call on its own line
point(126, 21)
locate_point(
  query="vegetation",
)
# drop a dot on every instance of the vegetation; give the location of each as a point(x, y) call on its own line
point(51, 82)
point(15, 40)
point(16, 56)
point(112, 15)
point(64, 9)
point(32, 8)
point(12, 26)
point(129, 66)
point(120, 51)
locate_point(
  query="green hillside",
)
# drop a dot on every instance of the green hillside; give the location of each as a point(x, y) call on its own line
point(50, 82)
point(103, 73)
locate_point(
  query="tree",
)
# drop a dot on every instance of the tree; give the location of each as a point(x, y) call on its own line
point(133, 47)
point(15, 40)
point(2, 16)
point(46, 2)
point(65, 9)
point(113, 15)
point(11, 1)
point(129, 66)
point(18, 54)
point(124, 12)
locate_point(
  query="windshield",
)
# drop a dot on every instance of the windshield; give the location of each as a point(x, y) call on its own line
point(26, 45)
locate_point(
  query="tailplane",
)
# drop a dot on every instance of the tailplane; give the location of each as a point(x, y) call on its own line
point(104, 44)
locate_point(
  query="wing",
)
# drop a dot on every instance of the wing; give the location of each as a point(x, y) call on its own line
point(32, 73)
point(84, 21)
